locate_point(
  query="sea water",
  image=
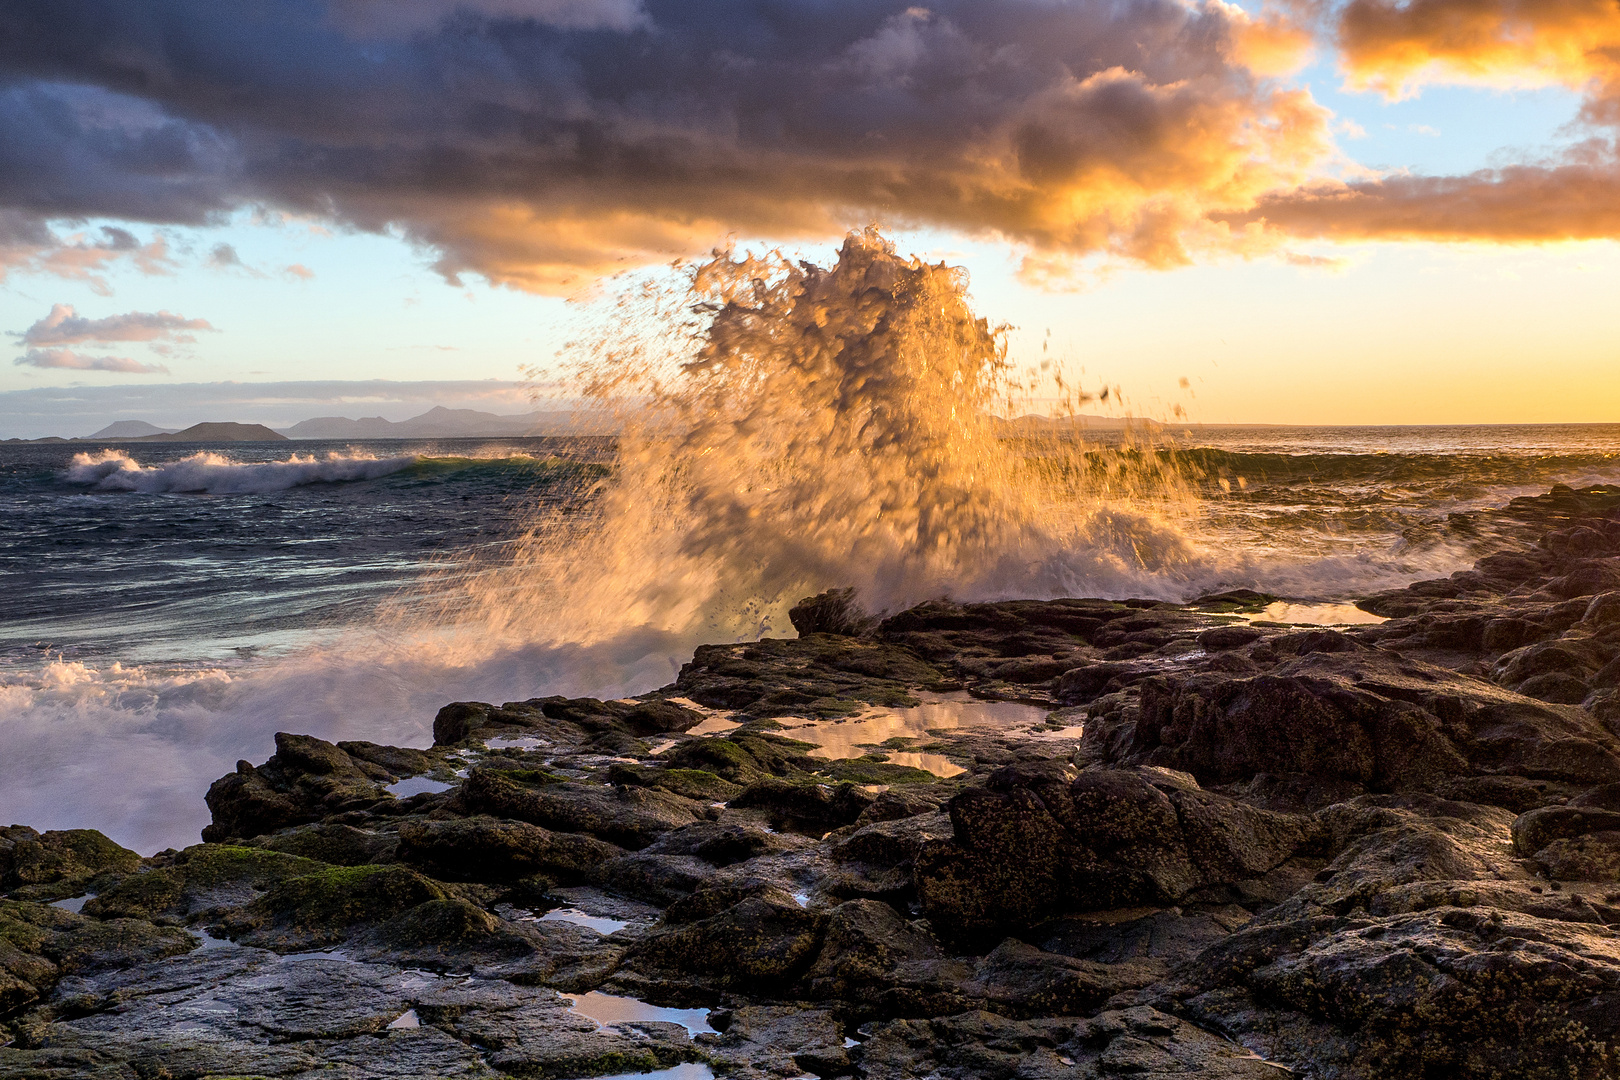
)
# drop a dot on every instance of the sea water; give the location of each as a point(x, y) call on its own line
point(165, 608)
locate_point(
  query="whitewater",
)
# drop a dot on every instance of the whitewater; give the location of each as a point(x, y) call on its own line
point(785, 429)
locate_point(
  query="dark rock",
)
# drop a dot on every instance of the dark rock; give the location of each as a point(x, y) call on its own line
point(39, 945)
point(67, 855)
point(1228, 637)
point(1558, 687)
point(1033, 845)
point(1505, 635)
point(717, 844)
point(1586, 580)
point(1022, 980)
point(339, 845)
point(831, 612)
point(758, 942)
point(458, 721)
point(629, 817)
point(198, 877)
point(1538, 828)
point(1082, 684)
point(323, 908)
point(868, 951)
point(488, 849)
point(396, 760)
point(690, 783)
point(812, 809)
point(306, 780)
point(660, 717)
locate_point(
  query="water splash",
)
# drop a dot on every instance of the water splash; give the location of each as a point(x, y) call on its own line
point(787, 428)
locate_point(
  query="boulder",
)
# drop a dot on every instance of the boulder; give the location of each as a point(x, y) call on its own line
point(1037, 842)
point(488, 849)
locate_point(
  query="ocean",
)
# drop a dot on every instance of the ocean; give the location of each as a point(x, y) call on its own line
point(165, 608)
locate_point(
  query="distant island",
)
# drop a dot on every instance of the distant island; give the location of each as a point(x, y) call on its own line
point(437, 423)
point(216, 432)
point(442, 423)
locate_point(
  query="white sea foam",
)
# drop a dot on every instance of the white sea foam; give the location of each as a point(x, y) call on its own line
point(215, 474)
point(131, 750)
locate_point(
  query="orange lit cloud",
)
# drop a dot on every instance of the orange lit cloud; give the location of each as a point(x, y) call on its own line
point(1396, 47)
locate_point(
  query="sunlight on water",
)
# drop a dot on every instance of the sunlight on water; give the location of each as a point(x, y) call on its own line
point(867, 733)
point(607, 1010)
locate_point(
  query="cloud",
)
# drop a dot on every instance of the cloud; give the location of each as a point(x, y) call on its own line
point(29, 245)
point(64, 326)
point(72, 361)
point(543, 142)
point(1521, 204)
point(1397, 47)
point(403, 17)
point(298, 272)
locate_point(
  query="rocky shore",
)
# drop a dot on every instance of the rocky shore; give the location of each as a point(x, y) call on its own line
point(1072, 838)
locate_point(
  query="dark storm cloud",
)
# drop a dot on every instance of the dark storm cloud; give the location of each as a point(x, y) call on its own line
point(539, 142)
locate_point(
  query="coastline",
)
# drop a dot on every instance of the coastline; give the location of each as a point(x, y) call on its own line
point(1208, 845)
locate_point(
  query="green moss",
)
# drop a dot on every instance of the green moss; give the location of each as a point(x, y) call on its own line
point(208, 865)
point(340, 896)
point(691, 783)
point(872, 769)
point(139, 896)
point(439, 922)
point(532, 777)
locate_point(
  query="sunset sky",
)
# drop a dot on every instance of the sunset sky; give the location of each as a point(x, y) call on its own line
point(1360, 212)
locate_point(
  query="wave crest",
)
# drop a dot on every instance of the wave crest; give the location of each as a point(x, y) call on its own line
point(206, 473)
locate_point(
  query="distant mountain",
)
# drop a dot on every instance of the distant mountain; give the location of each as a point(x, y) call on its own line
point(129, 429)
point(442, 423)
point(218, 432)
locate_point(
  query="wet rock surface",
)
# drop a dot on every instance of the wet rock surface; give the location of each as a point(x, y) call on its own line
point(1069, 838)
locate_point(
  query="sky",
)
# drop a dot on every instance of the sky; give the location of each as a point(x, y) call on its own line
point(1362, 212)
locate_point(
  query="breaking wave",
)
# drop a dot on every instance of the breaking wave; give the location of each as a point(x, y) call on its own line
point(788, 428)
point(215, 474)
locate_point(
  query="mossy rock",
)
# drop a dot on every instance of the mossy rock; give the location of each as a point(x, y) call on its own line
point(691, 783)
point(207, 865)
point(40, 943)
point(531, 777)
point(196, 870)
point(725, 758)
point(872, 769)
point(31, 858)
point(334, 845)
point(139, 896)
point(320, 908)
point(440, 923)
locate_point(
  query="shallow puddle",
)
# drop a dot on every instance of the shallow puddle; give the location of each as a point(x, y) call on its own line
point(938, 764)
point(606, 1009)
point(417, 785)
point(337, 955)
point(714, 725)
point(516, 742)
point(209, 941)
point(408, 1019)
point(865, 733)
point(74, 905)
point(600, 923)
point(1284, 611)
point(691, 1070)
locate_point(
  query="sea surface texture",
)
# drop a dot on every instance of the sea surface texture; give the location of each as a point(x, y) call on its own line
point(165, 608)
